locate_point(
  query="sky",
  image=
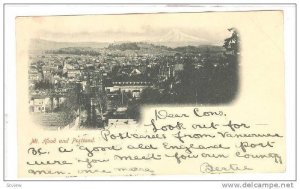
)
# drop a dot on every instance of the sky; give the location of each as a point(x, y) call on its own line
point(204, 28)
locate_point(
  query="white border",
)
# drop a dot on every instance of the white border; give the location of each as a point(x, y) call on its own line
point(11, 11)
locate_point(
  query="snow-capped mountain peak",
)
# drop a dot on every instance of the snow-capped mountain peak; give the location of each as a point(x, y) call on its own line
point(175, 35)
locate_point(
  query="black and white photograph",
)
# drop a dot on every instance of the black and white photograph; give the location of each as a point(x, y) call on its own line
point(91, 78)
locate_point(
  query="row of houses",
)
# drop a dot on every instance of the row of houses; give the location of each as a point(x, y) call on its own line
point(45, 104)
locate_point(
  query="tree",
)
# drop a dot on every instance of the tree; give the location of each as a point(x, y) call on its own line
point(150, 96)
point(232, 44)
point(228, 78)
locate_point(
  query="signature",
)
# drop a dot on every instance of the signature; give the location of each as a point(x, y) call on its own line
point(231, 168)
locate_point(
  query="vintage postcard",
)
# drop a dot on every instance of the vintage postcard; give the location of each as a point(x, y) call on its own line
point(150, 94)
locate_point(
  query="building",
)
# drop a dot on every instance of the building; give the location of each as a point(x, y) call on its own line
point(74, 73)
point(35, 75)
point(121, 122)
point(45, 104)
point(133, 87)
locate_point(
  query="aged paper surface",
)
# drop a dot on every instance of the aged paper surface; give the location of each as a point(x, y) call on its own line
point(150, 94)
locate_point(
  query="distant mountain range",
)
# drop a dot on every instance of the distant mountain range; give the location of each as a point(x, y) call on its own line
point(182, 42)
point(171, 38)
point(38, 45)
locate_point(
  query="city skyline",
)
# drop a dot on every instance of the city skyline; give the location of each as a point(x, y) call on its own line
point(98, 71)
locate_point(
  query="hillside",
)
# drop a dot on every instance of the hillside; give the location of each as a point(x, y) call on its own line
point(93, 48)
point(39, 45)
